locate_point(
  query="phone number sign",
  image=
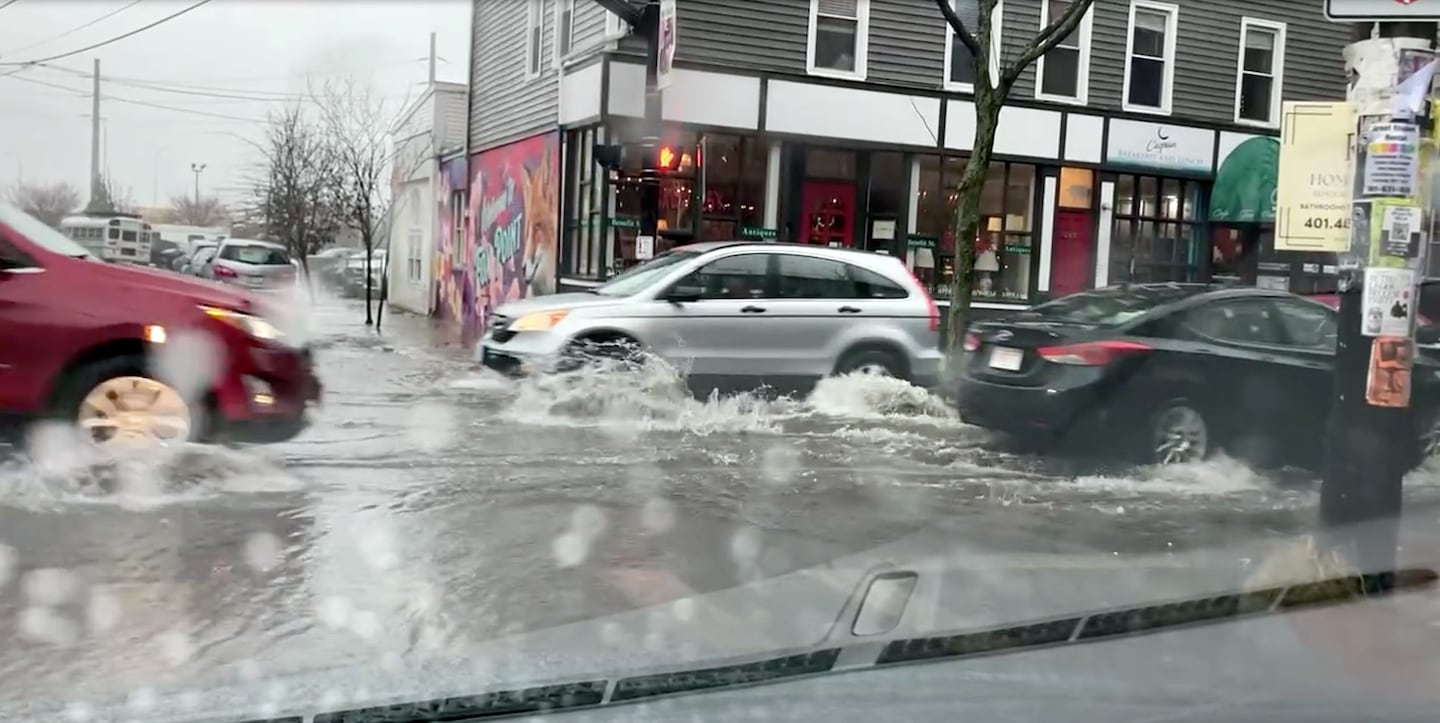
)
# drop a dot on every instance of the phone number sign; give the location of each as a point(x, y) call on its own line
point(1352, 10)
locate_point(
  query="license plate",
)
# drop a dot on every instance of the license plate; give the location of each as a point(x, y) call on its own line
point(1003, 357)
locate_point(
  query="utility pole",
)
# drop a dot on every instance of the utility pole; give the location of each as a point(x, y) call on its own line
point(1372, 425)
point(96, 188)
point(433, 58)
point(649, 28)
point(197, 169)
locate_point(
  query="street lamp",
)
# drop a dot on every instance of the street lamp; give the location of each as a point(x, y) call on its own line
point(197, 169)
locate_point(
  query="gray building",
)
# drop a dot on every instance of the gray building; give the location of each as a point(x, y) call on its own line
point(847, 122)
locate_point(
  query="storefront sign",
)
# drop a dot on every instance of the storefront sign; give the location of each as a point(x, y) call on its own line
point(1160, 146)
point(758, 233)
point(1312, 207)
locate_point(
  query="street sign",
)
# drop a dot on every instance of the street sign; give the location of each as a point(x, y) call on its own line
point(1350, 11)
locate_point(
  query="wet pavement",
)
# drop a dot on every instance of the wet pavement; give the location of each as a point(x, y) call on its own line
point(434, 506)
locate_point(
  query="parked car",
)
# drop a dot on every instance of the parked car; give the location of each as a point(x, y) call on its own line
point(735, 315)
point(1427, 332)
point(1168, 372)
point(328, 266)
point(352, 279)
point(256, 265)
point(193, 263)
point(82, 340)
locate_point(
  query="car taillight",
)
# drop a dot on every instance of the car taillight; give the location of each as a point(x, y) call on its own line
point(930, 304)
point(225, 271)
point(1091, 353)
point(972, 341)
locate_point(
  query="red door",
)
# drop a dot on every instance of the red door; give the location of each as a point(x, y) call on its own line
point(1070, 253)
point(828, 213)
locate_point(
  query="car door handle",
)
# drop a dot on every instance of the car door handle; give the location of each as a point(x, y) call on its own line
point(849, 310)
point(752, 310)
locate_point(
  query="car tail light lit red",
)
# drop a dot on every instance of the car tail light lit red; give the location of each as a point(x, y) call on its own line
point(1091, 353)
point(972, 341)
point(224, 271)
point(929, 301)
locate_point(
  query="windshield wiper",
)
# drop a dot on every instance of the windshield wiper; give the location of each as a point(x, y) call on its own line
point(1073, 629)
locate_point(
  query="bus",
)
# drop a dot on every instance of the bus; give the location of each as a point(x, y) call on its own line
point(116, 237)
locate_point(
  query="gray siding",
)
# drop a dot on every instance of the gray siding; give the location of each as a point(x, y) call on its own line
point(506, 106)
point(1207, 52)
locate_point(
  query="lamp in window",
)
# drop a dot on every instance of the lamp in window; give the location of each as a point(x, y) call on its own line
point(987, 260)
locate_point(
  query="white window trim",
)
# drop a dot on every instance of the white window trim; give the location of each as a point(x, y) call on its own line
point(1168, 93)
point(1082, 83)
point(615, 28)
point(534, 16)
point(997, 46)
point(1277, 70)
point(862, 44)
point(560, 6)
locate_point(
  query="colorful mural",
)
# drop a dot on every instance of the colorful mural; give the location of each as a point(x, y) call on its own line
point(509, 247)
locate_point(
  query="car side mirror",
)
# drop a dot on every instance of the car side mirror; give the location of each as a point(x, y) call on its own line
point(684, 293)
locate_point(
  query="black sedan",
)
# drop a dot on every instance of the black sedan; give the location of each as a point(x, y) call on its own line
point(1167, 373)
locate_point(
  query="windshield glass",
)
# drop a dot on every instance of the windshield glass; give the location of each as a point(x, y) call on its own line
point(254, 254)
point(35, 230)
point(1111, 306)
point(638, 278)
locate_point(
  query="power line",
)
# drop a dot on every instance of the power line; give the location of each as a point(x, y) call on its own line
point(240, 79)
point(81, 93)
point(77, 28)
point(238, 94)
point(115, 39)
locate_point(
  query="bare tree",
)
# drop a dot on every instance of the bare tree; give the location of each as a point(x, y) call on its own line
point(990, 95)
point(358, 126)
point(49, 202)
point(295, 189)
point(111, 197)
point(202, 211)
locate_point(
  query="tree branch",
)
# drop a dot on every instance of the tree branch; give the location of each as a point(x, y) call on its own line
point(957, 25)
point(1046, 40)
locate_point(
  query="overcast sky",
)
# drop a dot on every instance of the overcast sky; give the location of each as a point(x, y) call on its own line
point(169, 94)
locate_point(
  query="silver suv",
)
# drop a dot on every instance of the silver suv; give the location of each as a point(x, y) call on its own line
point(735, 315)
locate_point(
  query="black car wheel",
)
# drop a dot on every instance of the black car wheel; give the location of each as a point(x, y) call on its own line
point(872, 362)
point(1178, 434)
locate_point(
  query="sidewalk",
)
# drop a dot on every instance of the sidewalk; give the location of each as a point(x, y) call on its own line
point(331, 317)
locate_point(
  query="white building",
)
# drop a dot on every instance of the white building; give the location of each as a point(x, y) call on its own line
point(434, 125)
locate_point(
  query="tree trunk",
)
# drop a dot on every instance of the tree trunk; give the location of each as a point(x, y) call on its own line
point(369, 254)
point(305, 272)
point(988, 102)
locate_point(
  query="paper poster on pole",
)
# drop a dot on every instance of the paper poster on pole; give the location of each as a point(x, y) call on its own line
point(1314, 189)
point(665, 60)
point(644, 247)
point(1388, 300)
point(1397, 235)
point(1392, 160)
point(1387, 384)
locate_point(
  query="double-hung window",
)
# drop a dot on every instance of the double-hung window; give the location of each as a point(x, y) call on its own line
point(1150, 57)
point(839, 31)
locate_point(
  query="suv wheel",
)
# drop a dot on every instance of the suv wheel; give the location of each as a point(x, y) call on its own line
point(871, 362)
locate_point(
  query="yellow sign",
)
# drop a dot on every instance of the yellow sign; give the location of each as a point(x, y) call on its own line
point(1312, 196)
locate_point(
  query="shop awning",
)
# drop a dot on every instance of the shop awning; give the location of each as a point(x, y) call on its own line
point(1244, 189)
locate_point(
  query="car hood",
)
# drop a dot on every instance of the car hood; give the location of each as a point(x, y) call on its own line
point(554, 302)
point(1301, 666)
point(150, 280)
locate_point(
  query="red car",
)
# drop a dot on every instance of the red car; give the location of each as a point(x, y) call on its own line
point(118, 349)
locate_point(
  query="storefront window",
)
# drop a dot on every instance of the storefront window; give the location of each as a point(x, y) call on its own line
point(1003, 249)
point(678, 206)
point(734, 171)
point(583, 257)
point(931, 209)
point(1157, 236)
point(886, 206)
point(1077, 188)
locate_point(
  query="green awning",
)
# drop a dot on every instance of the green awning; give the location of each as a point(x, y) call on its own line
point(1244, 189)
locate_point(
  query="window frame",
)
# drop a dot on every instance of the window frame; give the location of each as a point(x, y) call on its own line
point(997, 47)
point(1085, 32)
point(534, 38)
point(1172, 25)
point(862, 44)
point(615, 27)
point(562, 51)
point(1277, 70)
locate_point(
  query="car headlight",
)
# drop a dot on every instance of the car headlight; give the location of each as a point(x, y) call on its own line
point(539, 321)
point(248, 323)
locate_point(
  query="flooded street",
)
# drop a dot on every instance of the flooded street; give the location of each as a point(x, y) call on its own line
point(433, 506)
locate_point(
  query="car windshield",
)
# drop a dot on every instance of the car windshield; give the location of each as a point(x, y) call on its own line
point(637, 278)
point(1111, 306)
point(37, 232)
point(254, 254)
